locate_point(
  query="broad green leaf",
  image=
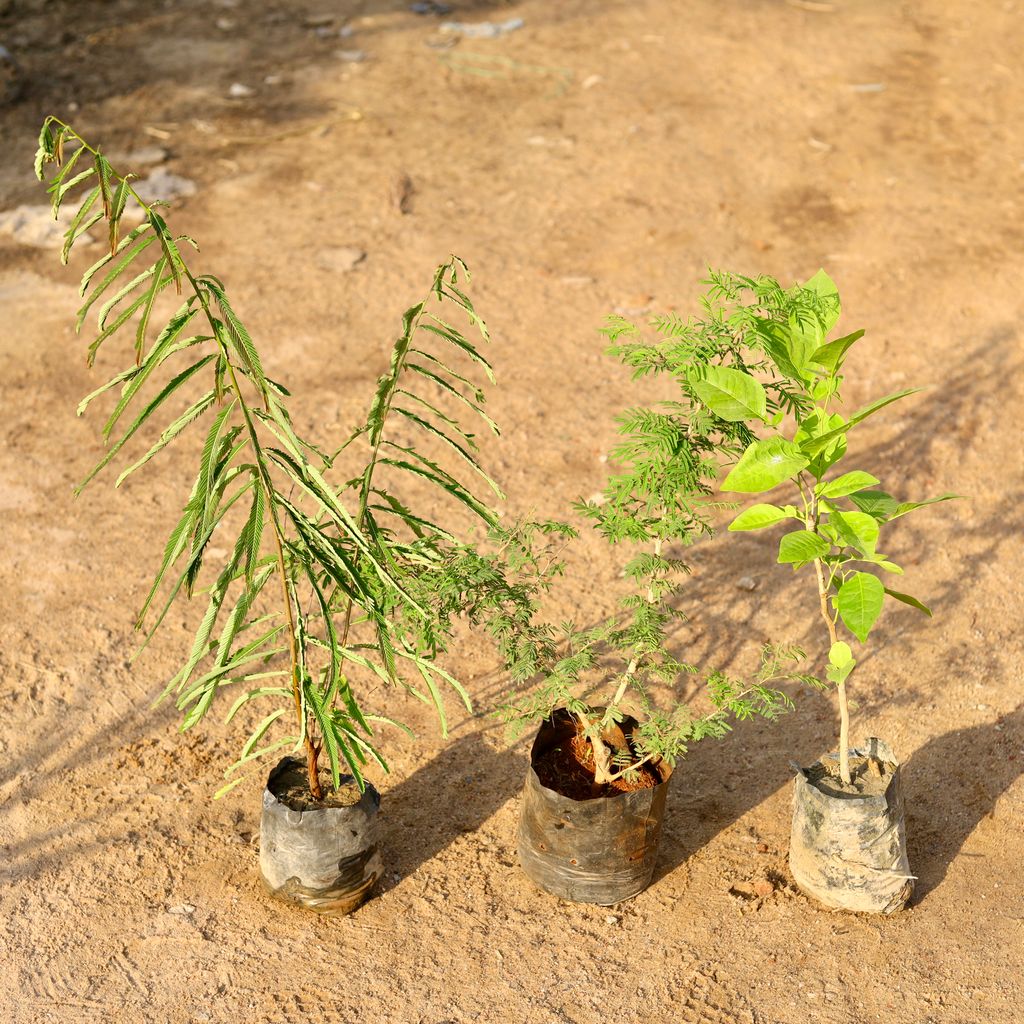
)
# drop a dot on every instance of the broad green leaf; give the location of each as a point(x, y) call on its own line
point(846, 484)
point(909, 506)
point(838, 674)
point(832, 355)
point(878, 504)
point(857, 530)
point(819, 444)
point(825, 288)
point(801, 546)
point(806, 334)
point(840, 654)
point(912, 601)
point(764, 465)
point(786, 355)
point(757, 517)
point(817, 423)
point(859, 602)
point(730, 394)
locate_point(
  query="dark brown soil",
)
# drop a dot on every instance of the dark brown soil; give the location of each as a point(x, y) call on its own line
point(868, 776)
point(291, 788)
point(569, 769)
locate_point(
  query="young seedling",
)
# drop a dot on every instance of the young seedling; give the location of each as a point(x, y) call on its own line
point(839, 513)
point(363, 581)
point(662, 500)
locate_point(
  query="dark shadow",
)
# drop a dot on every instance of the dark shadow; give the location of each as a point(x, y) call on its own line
point(952, 784)
point(452, 794)
point(720, 781)
point(174, 65)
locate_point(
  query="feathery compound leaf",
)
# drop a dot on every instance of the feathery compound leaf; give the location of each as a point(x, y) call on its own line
point(79, 225)
point(169, 389)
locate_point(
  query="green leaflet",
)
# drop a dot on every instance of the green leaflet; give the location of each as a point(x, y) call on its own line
point(730, 394)
point(800, 547)
point(859, 602)
point(877, 504)
point(169, 389)
point(909, 506)
point(832, 355)
point(764, 465)
point(814, 446)
point(856, 529)
point(846, 484)
point(757, 517)
point(908, 600)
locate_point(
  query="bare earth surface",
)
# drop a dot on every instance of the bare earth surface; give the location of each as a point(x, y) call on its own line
point(597, 158)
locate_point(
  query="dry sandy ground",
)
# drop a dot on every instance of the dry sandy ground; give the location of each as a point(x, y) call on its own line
point(597, 158)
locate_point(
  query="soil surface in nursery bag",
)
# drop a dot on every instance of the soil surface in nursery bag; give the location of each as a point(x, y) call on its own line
point(569, 769)
point(291, 788)
point(593, 159)
point(868, 776)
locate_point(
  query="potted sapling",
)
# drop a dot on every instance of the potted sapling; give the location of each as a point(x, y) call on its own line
point(848, 844)
point(614, 709)
point(323, 584)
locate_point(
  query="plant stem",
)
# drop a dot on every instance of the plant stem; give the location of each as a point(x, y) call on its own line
point(263, 474)
point(844, 707)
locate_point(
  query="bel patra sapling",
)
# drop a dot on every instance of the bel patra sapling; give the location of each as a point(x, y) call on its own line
point(327, 578)
point(663, 499)
point(838, 513)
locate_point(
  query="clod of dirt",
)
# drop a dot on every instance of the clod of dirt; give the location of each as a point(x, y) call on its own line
point(341, 259)
point(762, 888)
point(868, 776)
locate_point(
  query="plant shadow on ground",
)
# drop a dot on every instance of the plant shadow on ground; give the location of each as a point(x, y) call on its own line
point(35, 852)
point(450, 795)
point(952, 785)
point(174, 64)
point(721, 781)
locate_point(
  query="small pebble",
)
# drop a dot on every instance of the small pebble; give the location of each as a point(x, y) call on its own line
point(482, 29)
point(762, 847)
point(239, 91)
point(351, 56)
point(182, 910)
point(163, 184)
point(762, 887)
point(746, 583)
point(611, 919)
point(430, 7)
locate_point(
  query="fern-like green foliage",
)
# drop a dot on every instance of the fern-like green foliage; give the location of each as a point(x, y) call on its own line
point(332, 579)
point(662, 499)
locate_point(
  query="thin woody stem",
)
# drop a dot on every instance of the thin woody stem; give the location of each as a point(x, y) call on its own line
point(844, 706)
point(263, 474)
